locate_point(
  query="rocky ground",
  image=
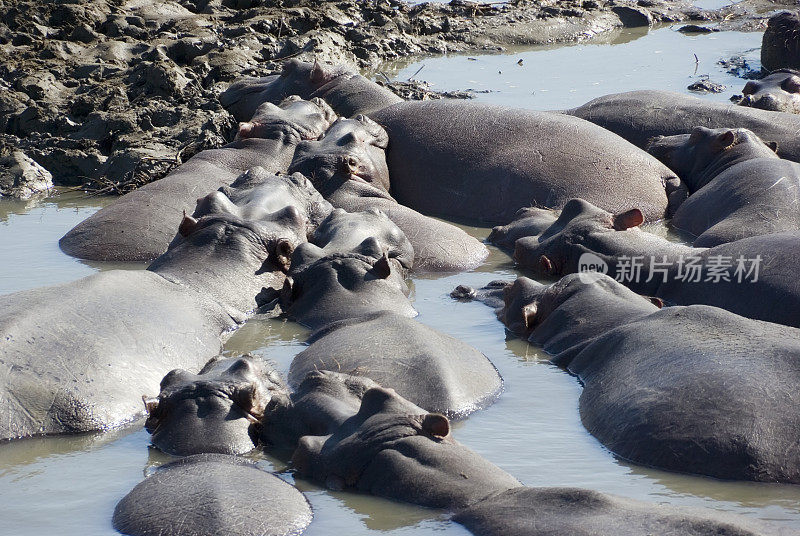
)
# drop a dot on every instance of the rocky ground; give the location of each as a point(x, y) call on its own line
point(111, 94)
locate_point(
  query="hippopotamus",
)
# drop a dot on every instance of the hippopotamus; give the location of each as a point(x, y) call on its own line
point(432, 370)
point(779, 91)
point(739, 186)
point(212, 494)
point(318, 406)
point(394, 449)
point(483, 163)
point(527, 222)
point(639, 116)
point(755, 277)
point(214, 410)
point(780, 46)
point(694, 389)
point(346, 91)
point(78, 356)
point(140, 225)
point(525, 511)
point(348, 166)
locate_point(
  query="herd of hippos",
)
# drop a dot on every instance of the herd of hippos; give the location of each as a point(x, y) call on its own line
point(317, 212)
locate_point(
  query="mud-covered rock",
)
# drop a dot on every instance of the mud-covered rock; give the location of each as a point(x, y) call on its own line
point(22, 177)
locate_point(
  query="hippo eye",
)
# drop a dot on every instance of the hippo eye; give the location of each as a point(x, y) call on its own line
point(750, 88)
point(791, 84)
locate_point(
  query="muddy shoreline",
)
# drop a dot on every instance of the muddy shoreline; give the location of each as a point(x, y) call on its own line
point(112, 94)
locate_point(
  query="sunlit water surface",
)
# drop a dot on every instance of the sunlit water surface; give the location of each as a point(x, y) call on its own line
point(69, 485)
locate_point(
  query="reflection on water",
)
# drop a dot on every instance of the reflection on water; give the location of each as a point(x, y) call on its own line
point(70, 485)
point(554, 77)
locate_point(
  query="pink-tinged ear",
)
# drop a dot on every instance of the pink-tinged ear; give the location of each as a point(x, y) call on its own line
point(150, 404)
point(318, 74)
point(772, 145)
point(436, 425)
point(187, 226)
point(727, 139)
point(245, 130)
point(658, 302)
point(529, 315)
point(283, 252)
point(382, 267)
point(546, 265)
point(626, 220)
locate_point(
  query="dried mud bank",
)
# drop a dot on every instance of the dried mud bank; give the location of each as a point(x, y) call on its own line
point(112, 94)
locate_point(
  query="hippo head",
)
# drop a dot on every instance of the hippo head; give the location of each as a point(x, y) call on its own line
point(527, 221)
point(777, 92)
point(369, 233)
point(351, 150)
point(319, 405)
point(558, 249)
point(214, 410)
point(698, 157)
point(258, 195)
point(293, 119)
point(304, 78)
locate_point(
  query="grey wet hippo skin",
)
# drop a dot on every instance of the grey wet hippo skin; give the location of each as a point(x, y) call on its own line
point(739, 186)
point(779, 91)
point(639, 116)
point(78, 356)
point(527, 222)
point(212, 495)
point(213, 411)
point(780, 46)
point(346, 91)
point(528, 511)
point(759, 274)
point(431, 369)
point(483, 163)
point(693, 389)
point(348, 167)
point(140, 225)
point(394, 449)
point(318, 406)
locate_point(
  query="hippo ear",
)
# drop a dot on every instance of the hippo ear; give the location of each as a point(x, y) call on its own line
point(436, 425)
point(772, 145)
point(150, 404)
point(287, 293)
point(283, 253)
point(791, 84)
point(318, 74)
point(187, 226)
point(382, 267)
point(529, 315)
point(658, 302)
point(546, 265)
point(626, 220)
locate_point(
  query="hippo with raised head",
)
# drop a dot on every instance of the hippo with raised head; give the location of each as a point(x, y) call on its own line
point(140, 225)
point(214, 410)
point(77, 356)
point(394, 449)
point(780, 46)
point(348, 166)
point(754, 277)
point(483, 163)
point(212, 494)
point(691, 389)
point(739, 186)
point(779, 91)
point(639, 116)
point(346, 91)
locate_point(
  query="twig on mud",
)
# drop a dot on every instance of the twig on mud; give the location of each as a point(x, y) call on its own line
point(416, 73)
point(388, 80)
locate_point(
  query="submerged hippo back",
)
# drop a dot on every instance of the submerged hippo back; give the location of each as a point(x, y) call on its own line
point(484, 163)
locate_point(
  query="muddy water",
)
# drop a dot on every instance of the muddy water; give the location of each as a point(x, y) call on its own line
point(69, 485)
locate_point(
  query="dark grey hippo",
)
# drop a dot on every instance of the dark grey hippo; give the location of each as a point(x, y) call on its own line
point(346, 91)
point(214, 410)
point(779, 91)
point(739, 186)
point(394, 449)
point(140, 225)
point(434, 371)
point(348, 167)
point(318, 406)
point(639, 116)
point(780, 46)
point(527, 222)
point(483, 163)
point(692, 389)
point(212, 495)
point(754, 277)
point(581, 512)
point(78, 356)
